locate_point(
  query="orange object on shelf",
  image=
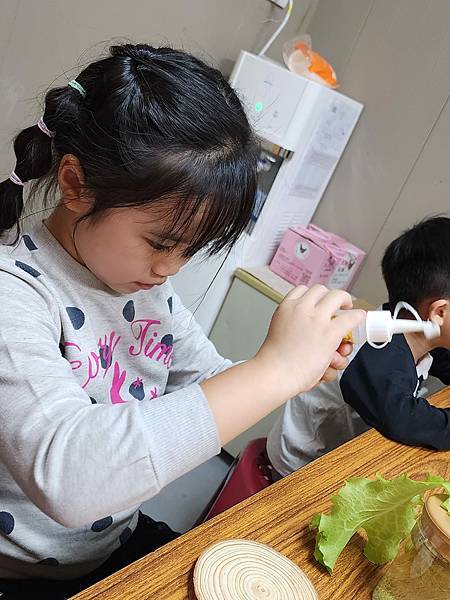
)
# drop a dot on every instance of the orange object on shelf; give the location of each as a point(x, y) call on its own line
point(300, 58)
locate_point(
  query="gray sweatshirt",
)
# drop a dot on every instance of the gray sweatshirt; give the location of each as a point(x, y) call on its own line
point(100, 407)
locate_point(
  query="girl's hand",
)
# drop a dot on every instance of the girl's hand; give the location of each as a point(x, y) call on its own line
point(303, 346)
point(304, 342)
point(339, 362)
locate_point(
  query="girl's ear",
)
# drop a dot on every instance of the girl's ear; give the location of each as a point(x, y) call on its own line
point(438, 311)
point(71, 183)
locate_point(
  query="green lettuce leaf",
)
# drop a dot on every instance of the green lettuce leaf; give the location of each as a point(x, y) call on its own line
point(386, 509)
point(440, 482)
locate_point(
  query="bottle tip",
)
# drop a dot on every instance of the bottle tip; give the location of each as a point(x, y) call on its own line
point(431, 330)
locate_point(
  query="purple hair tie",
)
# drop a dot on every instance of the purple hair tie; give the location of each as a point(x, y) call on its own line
point(43, 127)
point(16, 179)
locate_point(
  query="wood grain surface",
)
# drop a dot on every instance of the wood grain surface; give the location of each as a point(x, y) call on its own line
point(279, 516)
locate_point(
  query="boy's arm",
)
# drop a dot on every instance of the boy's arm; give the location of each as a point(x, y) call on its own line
point(380, 385)
point(441, 364)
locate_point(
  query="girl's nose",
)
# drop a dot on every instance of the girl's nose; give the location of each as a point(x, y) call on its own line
point(168, 267)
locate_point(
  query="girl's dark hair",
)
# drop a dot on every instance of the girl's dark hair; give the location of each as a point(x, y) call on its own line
point(416, 265)
point(156, 124)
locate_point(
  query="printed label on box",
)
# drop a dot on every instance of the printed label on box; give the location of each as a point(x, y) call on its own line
point(302, 250)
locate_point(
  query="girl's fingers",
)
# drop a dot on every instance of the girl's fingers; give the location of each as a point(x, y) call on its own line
point(339, 362)
point(313, 294)
point(329, 375)
point(335, 300)
point(296, 293)
point(345, 349)
point(347, 320)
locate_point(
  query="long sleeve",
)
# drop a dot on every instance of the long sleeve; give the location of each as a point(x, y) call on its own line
point(441, 364)
point(195, 357)
point(380, 384)
point(77, 461)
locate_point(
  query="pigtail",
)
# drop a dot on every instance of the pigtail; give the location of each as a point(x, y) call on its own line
point(38, 148)
point(33, 150)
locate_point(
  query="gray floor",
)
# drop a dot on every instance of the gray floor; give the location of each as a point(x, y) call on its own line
point(180, 503)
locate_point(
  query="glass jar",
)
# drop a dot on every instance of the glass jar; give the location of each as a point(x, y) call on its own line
point(422, 570)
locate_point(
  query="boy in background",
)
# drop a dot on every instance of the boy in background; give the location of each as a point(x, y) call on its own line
point(380, 387)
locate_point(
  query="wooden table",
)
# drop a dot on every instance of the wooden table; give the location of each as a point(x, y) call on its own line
point(279, 516)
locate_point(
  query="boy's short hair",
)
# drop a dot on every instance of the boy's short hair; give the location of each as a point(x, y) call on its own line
point(416, 266)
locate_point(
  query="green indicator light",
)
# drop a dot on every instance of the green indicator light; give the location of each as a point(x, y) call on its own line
point(259, 106)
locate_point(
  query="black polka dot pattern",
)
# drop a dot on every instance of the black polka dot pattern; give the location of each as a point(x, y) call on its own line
point(27, 268)
point(29, 242)
point(129, 312)
point(6, 522)
point(76, 316)
point(101, 524)
point(167, 339)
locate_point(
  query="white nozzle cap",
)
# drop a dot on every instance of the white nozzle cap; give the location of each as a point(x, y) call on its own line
point(379, 326)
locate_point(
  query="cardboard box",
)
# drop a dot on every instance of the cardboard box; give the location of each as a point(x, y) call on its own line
point(309, 255)
point(304, 258)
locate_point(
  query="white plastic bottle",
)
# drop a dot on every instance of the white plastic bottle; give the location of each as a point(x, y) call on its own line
point(380, 326)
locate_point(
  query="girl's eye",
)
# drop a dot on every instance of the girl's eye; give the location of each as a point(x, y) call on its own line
point(160, 247)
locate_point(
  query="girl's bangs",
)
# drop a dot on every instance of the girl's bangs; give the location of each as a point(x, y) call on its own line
point(221, 200)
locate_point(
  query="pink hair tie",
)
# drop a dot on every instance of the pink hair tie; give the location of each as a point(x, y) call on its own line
point(16, 179)
point(43, 127)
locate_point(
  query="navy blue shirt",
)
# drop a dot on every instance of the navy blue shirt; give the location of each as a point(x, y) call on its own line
point(381, 385)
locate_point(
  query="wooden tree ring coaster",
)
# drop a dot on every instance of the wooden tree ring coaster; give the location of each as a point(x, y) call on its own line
point(246, 570)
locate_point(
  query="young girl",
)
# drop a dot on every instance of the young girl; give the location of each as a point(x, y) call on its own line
point(109, 390)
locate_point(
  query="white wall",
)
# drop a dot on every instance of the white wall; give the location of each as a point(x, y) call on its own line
point(47, 42)
point(394, 56)
point(51, 39)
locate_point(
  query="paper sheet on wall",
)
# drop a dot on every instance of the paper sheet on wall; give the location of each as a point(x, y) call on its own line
point(326, 146)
